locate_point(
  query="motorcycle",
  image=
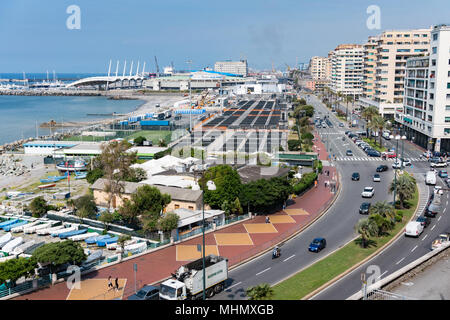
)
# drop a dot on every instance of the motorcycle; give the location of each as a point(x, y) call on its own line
point(276, 253)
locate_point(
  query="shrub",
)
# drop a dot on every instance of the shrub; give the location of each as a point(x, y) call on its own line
point(305, 182)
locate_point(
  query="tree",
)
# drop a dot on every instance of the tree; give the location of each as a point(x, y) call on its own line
point(116, 162)
point(379, 124)
point(136, 175)
point(15, 269)
point(162, 143)
point(367, 114)
point(139, 141)
point(366, 228)
point(383, 223)
point(260, 292)
point(294, 145)
point(228, 185)
point(39, 207)
point(406, 187)
point(86, 204)
point(383, 209)
point(121, 241)
point(168, 222)
point(107, 218)
point(57, 254)
point(146, 204)
point(93, 175)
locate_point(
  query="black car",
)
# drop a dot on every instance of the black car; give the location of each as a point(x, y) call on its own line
point(382, 168)
point(373, 153)
point(349, 153)
point(355, 176)
point(364, 208)
point(146, 293)
point(425, 221)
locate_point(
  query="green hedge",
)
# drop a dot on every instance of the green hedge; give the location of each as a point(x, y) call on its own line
point(305, 182)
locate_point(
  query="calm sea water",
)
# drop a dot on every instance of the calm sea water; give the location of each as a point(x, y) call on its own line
point(19, 114)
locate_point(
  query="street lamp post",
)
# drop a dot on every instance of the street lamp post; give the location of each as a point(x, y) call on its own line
point(397, 137)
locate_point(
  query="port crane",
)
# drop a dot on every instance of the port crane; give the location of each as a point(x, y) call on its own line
point(157, 67)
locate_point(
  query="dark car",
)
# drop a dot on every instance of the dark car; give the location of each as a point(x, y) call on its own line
point(373, 153)
point(382, 168)
point(425, 221)
point(146, 293)
point(317, 245)
point(355, 176)
point(341, 124)
point(443, 174)
point(349, 153)
point(364, 208)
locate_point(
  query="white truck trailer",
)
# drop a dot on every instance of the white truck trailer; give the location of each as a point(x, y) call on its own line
point(188, 280)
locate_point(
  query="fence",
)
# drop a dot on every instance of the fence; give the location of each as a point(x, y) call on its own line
point(27, 285)
point(377, 294)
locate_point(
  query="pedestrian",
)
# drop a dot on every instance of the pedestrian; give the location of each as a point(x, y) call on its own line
point(315, 183)
point(110, 285)
point(328, 173)
point(267, 219)
point(117, 284)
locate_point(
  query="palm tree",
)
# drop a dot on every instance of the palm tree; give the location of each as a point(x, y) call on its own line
point(406, 187)
point(366, 228)
point(368, 113)
point(379, 124)
point(383, 209)
point(373, 126)
point(260, 292)
point(347, 100)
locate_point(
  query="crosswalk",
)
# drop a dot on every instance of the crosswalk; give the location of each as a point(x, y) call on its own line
point(375, 159)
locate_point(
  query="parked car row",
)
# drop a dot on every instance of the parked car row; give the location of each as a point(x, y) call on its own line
point(371, 152)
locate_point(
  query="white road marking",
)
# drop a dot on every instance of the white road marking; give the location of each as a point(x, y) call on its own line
point(433, 227)
point(379, 277)
point(414, 248)
point(234, 285)
point(400, 260)
point(289, 258)
point(444, 210)
point(424, 237)
point(262, 271)
point(439, 218)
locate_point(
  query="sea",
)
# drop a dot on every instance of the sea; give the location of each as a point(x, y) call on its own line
point(20, 115)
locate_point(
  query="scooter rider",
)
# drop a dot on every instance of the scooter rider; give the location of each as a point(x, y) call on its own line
point(276, 252)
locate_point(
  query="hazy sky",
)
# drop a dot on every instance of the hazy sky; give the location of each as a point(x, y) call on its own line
point(35, 38)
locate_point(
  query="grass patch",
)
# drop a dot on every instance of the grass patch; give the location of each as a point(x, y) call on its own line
point(152, 135)
point(86, 138)
point(374, 145)
point(325, 270)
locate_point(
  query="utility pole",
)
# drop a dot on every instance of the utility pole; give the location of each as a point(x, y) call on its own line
point(189, 62)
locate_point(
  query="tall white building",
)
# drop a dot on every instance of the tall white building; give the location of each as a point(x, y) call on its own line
point(235, 67)
point(426, 111)
point(320, 68)
point(347, 69)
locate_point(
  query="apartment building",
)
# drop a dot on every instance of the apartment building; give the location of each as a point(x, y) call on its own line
point(320, 68)
point(393, 48)
point(234, 67)
point(347, 69)
point(425, 118)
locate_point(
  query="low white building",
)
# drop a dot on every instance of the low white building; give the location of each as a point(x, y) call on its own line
point(191, 220)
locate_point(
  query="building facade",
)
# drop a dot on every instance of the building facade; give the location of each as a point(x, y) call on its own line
point(320, 68)
point(347, 69)
point(425, 118)
point(234, 67)
point(392, 49)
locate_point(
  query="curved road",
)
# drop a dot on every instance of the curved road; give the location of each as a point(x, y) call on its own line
point(337, 225)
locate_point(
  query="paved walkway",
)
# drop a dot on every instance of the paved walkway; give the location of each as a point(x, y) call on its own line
point(237, 242)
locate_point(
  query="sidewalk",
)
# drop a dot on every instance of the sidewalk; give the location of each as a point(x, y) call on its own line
point(238, 242)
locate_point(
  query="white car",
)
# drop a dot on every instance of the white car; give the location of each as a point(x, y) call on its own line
point(438, 164)
point(414, 229)
point(368, 192)
point(376, 177)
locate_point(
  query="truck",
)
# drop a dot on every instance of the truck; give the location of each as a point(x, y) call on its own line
point(187, 281)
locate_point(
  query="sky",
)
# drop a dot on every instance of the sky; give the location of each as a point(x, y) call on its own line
point(35, 37)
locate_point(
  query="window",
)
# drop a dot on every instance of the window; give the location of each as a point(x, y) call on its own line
point(434, 50)
point(447, 119)
point(191, 207)
point(447, 108)
point(435, 37)
point(177, 206)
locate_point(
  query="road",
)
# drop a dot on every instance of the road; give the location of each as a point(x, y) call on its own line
point(337, 225)
point(404, 250)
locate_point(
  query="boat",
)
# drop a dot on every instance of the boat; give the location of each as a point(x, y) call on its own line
point(46, 180)
point(81, 175)
point(18, 224)
point(136, 247)
point(93, 257)
point(65, 235)
point(10, 246)
point(72, 165)
point(9, 222)
point(114, 246)
point(21, 248)
point(46, 186)
point(33, 229)
point(20, 228)
point(5, 239)
point(84, 236)
point(93, 240)
point(46, 231)
point(104, 242)
point(31, 249)
point(58, 232)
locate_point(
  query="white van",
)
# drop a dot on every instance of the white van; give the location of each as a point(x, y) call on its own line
point(413, 229)
point(430, 178)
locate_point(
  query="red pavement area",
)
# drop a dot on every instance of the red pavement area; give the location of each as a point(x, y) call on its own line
point(157, 265)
